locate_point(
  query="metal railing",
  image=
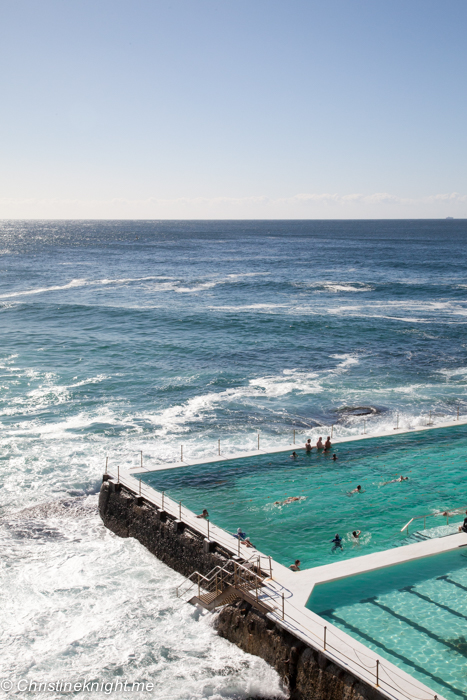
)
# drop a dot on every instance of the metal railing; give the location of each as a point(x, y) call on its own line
point(446, 514)
point(330, 429)
point(372, 670)
point(202, 526)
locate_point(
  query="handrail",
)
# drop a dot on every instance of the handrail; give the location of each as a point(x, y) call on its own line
point(445, 514)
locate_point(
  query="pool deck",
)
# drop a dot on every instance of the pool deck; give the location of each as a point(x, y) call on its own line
point(294, 446)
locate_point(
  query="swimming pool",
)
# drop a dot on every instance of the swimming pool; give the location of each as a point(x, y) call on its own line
point(242, 493)
point(413, 614)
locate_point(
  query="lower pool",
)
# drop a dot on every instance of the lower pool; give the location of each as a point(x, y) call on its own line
point(243, 493)
point(413, 614)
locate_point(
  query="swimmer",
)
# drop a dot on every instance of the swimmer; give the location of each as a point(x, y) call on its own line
point(204, 514)
point(334, 456)
point(308, 445)
point(463, 527)
point(296, 566)
point(337, 542)
point(240, 535)
point(357, 490)
point(395, 481)
point(327, 444)
point(319, 444)
point(294, 455)
point(290, 499)
point(356, 534)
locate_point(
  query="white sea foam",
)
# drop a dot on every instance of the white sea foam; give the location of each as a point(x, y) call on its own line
point(78, 602)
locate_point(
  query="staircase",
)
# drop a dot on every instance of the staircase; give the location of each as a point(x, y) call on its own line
point(224, 585)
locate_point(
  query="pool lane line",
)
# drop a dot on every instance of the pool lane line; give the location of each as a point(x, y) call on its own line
point(409, 589)
point(454, 583)
point(331, 614)
point(415, 625)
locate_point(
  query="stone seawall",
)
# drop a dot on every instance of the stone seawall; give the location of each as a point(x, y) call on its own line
point(305, 672)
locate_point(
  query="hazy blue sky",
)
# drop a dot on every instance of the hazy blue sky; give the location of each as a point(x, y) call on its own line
point(233, 108)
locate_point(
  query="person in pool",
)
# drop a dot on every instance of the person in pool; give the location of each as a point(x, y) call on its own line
point(296, 566)
point(463, 527)
point(357, 490)
point(337, 542)
point(308, 445)
point(293, 455)
point(334, 456)
point(290, 499)
point(356, 534)
point(319, 444)
point(395, 481)
point(204, 514)
point(327, 444)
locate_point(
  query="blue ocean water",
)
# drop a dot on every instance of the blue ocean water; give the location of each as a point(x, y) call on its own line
point(126, 336)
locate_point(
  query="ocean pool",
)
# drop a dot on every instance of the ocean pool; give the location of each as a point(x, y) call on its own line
point(413, 614)
point(242, 493)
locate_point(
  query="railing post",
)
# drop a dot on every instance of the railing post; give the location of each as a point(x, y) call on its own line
point(324, 638)
point(239, 546)
point(256, 588)
point(377, 672)
point(294, 436)
point(216, 584)
point(458, 413)
point(141, 458)
point(283, 611)
point(258, 440)
point(219, 447)
point(106, 464)
point(118, 474)
point(181, 453)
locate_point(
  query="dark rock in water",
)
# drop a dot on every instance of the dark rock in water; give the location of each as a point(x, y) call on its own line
point(359, 411)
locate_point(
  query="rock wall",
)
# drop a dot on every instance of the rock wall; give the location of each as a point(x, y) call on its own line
point(305, 672)
point(175, 545)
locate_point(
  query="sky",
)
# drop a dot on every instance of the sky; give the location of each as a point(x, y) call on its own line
point(250, 109)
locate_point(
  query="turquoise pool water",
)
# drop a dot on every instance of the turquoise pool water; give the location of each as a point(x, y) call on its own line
point(242, 493)
point(413, 614)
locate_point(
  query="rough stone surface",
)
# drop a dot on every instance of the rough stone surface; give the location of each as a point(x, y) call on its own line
point(305, 672)
point(182, 551)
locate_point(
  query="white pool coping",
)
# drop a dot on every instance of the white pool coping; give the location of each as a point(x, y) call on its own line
point(293, 446)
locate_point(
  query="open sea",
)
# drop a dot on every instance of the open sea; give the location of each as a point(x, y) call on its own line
point(126, 336)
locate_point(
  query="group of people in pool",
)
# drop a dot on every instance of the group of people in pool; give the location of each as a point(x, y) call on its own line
point(325, 447)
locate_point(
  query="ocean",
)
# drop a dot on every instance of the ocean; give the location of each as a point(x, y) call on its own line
point(122, 337)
